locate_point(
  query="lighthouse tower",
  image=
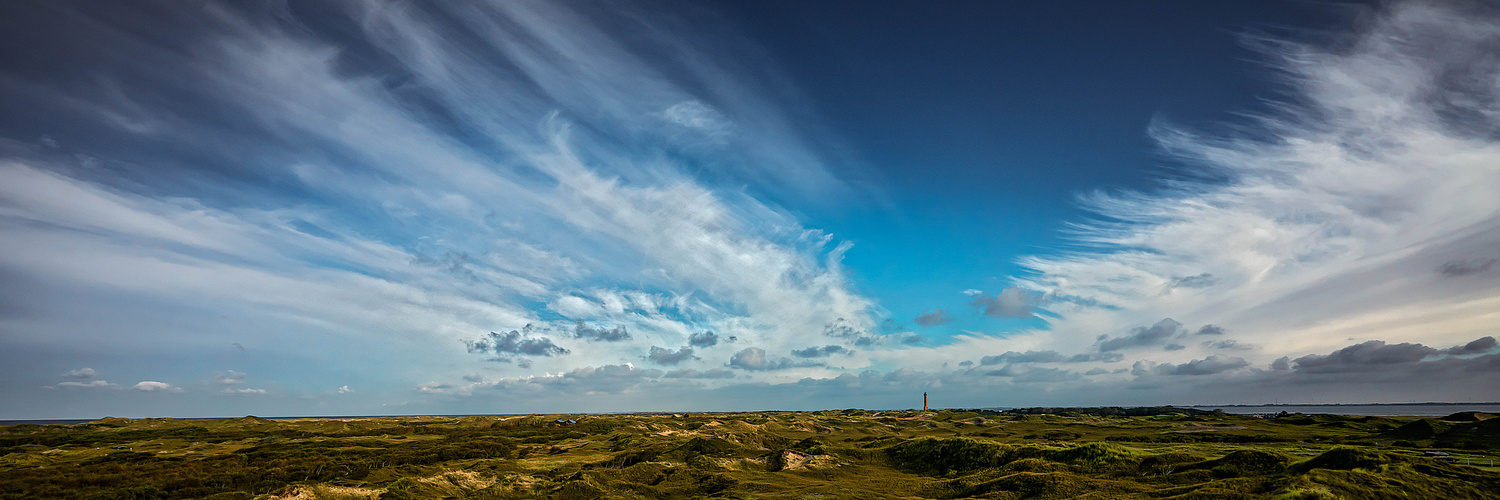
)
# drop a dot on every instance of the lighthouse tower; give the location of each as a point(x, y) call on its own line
point(924, 401)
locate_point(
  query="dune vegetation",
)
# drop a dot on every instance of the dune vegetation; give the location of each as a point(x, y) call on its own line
point(1037, 453)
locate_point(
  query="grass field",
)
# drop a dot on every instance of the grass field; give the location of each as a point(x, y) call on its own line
point(1038, 453)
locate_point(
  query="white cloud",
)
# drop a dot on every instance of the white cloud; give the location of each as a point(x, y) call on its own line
point(244, 390)
point(91, 383)
point(230, 377)
point(1339, 221)
point(154, 386)
point(81, 373)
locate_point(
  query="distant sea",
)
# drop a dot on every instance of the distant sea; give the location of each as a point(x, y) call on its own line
point(1377, 410)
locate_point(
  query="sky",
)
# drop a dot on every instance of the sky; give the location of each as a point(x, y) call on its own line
point(393, 208)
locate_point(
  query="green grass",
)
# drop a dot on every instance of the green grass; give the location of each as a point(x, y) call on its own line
point(1070, 453)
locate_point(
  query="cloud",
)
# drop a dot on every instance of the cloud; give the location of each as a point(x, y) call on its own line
point(1211, 330)
point(515, 342)
point(1142, 336)
point(1012, 302)
point(1050, 357)
point(716, 373)
point(1211, 365)
point(230, 377)
point(154, 386)
point(344, 389)
point(1478, 346)
point(696, 115)
point(540, 169)
point(703, 339)
point(668, 357)
point(1203, 280)
point(243, 391)
point(1361, 205)
point(1466, 268)
point(585, 332)
point(81, 373)
point(821, 352)
point(755, 359)
point(934, 318)
point(1370, 355)
point(1227, 344)
point(91, 383)
point(1034, 375)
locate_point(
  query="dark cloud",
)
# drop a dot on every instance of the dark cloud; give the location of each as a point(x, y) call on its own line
point(710, 374)
point(755, 359)
point(515, 342)
point(669, 357)
point(1141, 336)
point(1371, 355)
point(1207, 366)
point(821, 352)
point(966, 363)
point(1282, 364)
point(704, 339)
point(912, 339)
point(1096, 371)
point(586, 332)
point(1478, 346)
point(1211, 330)
point(1012, 302)
point(1049, 357)
point(1174, 347)
point(866, 341)
point(934, 318)
point(1197, 281)
point(1464, 268)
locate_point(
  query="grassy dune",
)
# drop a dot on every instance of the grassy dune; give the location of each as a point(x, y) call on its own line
point(1059, 453)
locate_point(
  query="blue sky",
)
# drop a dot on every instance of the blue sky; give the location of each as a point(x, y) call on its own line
point(384, 208)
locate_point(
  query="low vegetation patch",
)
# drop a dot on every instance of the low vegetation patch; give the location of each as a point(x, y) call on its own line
point(1035, 453)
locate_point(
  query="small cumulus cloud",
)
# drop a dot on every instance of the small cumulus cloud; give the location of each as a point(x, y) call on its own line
point(1211, 330)
point(1227, 344)
point(81, 373)
point(1156, 334)
point(663, 356)
point(230, 377)
point(703, 339)
point(243, 391)
point(934, 317)
point(755, 359)
point(1014, 302)
point(616, 334)
point(344, 389)
point(821, 352)
point(516, 342)
point(154, 386)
